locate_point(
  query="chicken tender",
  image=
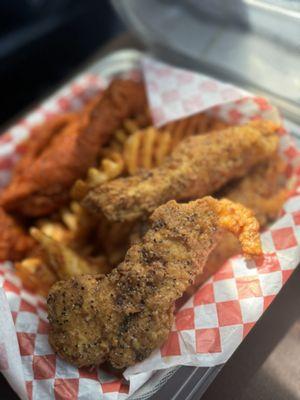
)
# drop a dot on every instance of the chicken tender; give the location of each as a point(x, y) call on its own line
point(264, 191)
point(199, 165)
point(122, 317)
point(64, 154)
point(15, 243)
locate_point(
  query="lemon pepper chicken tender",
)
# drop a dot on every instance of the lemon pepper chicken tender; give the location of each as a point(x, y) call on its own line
point(200, 165)
point(122, 317)
point(263, 191)
point(15, 242)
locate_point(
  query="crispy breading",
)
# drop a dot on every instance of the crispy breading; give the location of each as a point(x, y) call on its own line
point(15, 243)
point(199, 165)
point(65, 154)
point(124, 316)
point(264, 191)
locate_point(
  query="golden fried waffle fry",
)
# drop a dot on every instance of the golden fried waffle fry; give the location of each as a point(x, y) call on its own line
point(71, 226)
point(79, 222)
point(111, 158)
point(36, 275)
point(64, 261)
point(54, 229)
point(146, 149)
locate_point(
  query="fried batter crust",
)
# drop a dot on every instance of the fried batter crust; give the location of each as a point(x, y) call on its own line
point(200, 165)
point(124, 316)
point(63, 155)
point(263, 191)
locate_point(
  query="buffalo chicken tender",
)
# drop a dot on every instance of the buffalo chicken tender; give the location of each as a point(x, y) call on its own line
point(123, 316)
point(199, 165)
point(66, 152)
point(15, 242)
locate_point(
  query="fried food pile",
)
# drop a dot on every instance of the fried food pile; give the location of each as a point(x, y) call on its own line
point(63, 152)
point(124, 316)
point(92, 204)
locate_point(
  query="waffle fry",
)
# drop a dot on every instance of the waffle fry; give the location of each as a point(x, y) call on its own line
point(36, 275)
point(64, 261)
point(78, 222)
point(147, 148)
point(111, 167)
point(71, 226)
point(55, 230)
point(112, 163)
point(65, 237)
point(189, 126)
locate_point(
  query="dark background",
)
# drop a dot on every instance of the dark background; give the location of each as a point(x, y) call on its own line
point(44, 41)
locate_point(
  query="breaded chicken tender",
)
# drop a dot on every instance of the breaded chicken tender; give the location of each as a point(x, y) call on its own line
point(200, 165)
point(42, 181)
point(15, 243)
point(122, 317)
point(263, 191)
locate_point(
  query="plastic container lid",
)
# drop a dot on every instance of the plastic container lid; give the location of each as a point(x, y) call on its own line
point(253, 43)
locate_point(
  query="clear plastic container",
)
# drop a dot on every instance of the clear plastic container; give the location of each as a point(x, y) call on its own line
point(253, 43)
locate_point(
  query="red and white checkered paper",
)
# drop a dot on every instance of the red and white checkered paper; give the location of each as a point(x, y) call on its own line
point(211, 325)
